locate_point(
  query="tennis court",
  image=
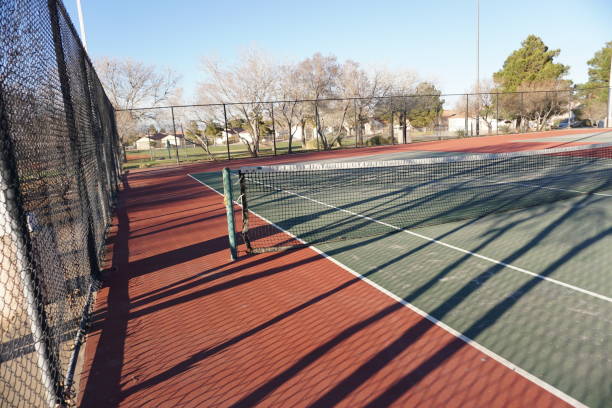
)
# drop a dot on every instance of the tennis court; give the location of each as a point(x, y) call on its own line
point(509, 252)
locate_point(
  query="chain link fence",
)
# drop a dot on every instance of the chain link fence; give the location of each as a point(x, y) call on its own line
point(59, 174)
point(233, 130)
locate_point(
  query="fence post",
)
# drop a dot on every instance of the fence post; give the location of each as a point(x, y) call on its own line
point(497, 113)
point(174, 129)
point(229, 211)
point(569, 109)
point(273, 130)
point(150, 145)
point(522, 114)
point(184, 139)
point(356, 124)
point(317, 122)
point(116, 141)
point(467, 114)
point(229, 156)
point(478, 113)
point(404, 126)
point(391, 130)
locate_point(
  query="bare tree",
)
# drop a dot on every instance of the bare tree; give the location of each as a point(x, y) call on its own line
point(401, 84)
point(319, 78)
point(292, 113)
point(482, 106)
point(544, 99)
point(364, 88)
point(250, 81)
point(131, 84)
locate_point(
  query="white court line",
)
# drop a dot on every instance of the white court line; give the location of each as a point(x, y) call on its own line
point(513, 367)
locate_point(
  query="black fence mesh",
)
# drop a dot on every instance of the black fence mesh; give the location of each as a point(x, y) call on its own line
point(235, 130)
point(59, 174)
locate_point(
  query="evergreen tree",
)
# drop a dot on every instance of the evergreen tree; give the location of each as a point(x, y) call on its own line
point(532, 63)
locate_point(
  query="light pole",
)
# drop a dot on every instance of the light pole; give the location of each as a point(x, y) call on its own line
point(82, 24)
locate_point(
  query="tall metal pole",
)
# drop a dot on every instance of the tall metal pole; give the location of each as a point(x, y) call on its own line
point(229, 156)
point(477, 67)
point(175, 140)
point(82, 24)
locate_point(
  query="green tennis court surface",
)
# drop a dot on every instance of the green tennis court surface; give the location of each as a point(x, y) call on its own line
point(531, 284)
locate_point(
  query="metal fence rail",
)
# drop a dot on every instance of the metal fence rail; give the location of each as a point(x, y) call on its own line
point(59, 171)
point(226, 130)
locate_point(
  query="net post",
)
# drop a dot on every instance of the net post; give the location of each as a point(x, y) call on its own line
point(228, 200)
point(245, 212)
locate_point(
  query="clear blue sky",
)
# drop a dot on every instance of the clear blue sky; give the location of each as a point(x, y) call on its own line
point(435, 39)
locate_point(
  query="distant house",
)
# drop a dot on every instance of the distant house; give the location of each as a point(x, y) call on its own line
point(449, 114)
point(373, 126)
point(235, 135)
point(179, 140)
point(457, 123)
point(160, 140)
point(149, 141)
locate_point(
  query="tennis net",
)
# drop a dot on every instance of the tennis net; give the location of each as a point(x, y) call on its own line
point(287, 206)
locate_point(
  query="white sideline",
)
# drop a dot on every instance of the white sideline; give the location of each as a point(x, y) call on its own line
point(525, 374)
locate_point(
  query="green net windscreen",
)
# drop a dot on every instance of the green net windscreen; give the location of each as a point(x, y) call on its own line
point(293, 205)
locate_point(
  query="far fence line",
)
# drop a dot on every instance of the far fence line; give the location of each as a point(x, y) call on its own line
point(239, 129)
